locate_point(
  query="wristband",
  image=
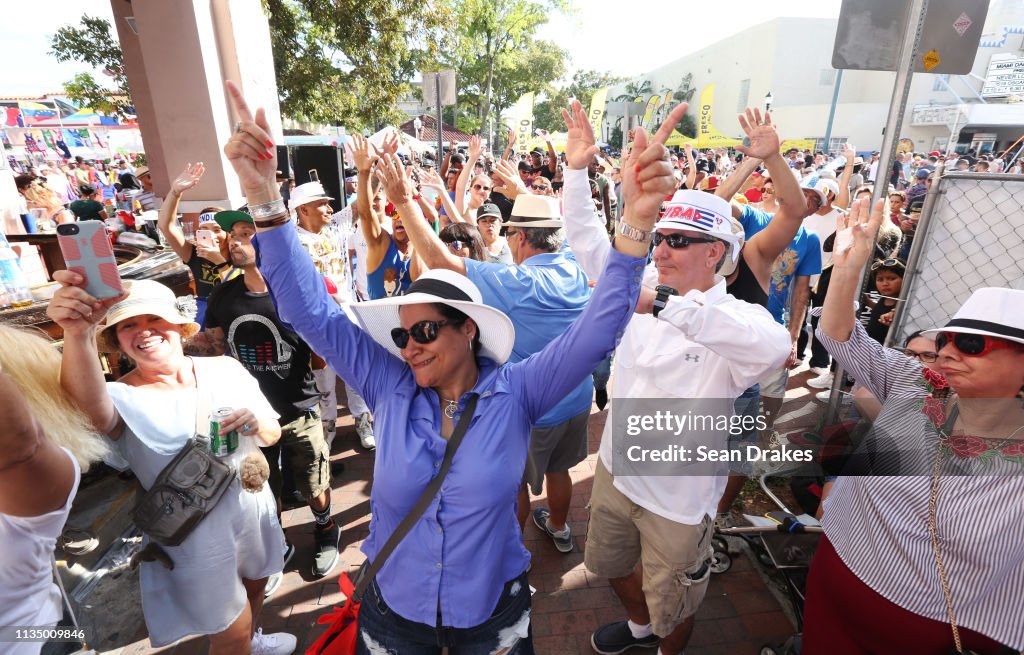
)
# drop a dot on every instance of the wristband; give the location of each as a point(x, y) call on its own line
point(417, 197)
point(272, 222)
point(267, 209)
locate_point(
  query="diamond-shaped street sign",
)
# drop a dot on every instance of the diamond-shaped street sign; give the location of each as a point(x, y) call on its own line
point(931, 60)
point(962, 23)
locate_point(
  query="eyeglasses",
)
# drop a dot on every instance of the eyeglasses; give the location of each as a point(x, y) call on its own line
point(886, 263)
point(540, 187)
point(480, 187)
point(422, 332)
point(678, 241)
point(455, 246)
point(974, 345)
point(926, 356)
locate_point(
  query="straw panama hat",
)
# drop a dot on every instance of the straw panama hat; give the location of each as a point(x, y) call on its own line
point(992, 311)
point(532, 210)
point(144, 297)
point(307, 193)
point(379, 317)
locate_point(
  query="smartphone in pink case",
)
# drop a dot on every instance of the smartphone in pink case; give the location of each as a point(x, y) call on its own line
point(87, 252)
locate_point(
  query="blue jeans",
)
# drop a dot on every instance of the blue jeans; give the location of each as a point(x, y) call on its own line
point(602, 373)
point(382, 630)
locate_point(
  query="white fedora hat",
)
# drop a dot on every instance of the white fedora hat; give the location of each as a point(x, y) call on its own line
point(307, 193)
point(531, 210)
point(994, 311)
point(144, 297)
point(379, 317)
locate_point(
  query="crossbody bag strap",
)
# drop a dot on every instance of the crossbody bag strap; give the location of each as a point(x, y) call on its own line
point(202, 405)
point(368, 573)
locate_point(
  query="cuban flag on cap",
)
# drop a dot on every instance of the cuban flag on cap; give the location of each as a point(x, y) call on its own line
point(697, 210)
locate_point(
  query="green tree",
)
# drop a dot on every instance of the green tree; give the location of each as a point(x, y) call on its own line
point(547, 113)
point(91, 42)
point(635, 89)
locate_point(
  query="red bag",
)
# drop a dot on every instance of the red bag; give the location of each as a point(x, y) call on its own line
point(340, 638)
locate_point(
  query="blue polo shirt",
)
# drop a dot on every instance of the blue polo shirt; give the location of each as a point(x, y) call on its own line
point(542, 296)
point(801, 257)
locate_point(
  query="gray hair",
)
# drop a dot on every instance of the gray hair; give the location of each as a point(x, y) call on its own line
point(544, 239)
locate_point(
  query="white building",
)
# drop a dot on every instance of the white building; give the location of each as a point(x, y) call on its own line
point(791, 59)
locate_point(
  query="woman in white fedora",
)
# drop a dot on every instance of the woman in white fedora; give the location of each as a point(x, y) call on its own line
point(220, 570)
point(458, 579)
point(930, 559)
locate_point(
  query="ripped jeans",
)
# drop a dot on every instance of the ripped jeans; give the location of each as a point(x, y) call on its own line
point(383, 632)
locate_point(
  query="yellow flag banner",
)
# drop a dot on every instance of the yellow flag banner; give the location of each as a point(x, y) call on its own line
point(799, 144)
point(524, 123)
point(652, 106)
point(707, 135)
point(596, 113)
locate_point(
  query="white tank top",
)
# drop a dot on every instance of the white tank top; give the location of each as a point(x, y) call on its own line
point(28, 594)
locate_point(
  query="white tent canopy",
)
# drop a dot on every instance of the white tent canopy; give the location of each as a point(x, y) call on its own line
point(406, 143)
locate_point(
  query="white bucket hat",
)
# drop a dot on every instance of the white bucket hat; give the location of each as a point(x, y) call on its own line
point(307, 193)
point(531, 210)
point(703, 212)
point(144, 297)
point(379, 317)
point(993, 311)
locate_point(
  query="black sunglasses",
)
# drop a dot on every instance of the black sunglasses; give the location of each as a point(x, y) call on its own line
point(457, 245)
point(678, 241)
point(422, 332)
point(480, 187)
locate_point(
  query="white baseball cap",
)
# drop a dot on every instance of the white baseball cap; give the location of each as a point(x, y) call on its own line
point(702, 212)
point(307, 193)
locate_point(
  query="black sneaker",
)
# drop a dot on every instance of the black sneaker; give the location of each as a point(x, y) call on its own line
point(326, 555)
point(601, 398)
point(614, 638)
point(563, 541)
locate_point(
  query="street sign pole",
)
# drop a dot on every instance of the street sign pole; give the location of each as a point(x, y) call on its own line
point(440, 123)
point(832, 114)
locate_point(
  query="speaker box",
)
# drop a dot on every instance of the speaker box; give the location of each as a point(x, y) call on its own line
point(327, 162)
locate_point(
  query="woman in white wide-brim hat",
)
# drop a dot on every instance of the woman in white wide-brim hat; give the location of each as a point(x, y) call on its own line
point(458, 579)
point(927, 556)
point(220, 570)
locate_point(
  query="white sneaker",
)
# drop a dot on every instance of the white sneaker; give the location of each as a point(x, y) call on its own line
point(818, 370)
point(364, 428)
point(823, 381)
point(823, 396)
point(277, 643)
point(273, 582)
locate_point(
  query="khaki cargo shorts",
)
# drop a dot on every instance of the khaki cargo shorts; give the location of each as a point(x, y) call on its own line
point(675, 556)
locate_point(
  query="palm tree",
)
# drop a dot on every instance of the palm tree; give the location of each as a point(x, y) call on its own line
point(634, 90)
point(686, 90)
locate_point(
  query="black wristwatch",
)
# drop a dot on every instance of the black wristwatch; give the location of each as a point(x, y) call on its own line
point(664, 292)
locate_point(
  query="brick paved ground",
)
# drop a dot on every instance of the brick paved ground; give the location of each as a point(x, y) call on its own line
point(738, 616)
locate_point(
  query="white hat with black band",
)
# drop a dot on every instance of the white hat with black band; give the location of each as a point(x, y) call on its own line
point(379, 317)
point(993, 311)
point(531, 210)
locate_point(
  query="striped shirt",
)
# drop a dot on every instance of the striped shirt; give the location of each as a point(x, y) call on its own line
point(879, 525)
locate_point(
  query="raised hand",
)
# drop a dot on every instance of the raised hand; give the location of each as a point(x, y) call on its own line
point(764, 139)
point(390, 145)
point(512, 184)
point(431, 180)
point(511, 138)
point(188, 178)
point(250, 148)
point(849, 152)
point(361, 153)
point(647, 173)
point(475, 149)
point(580, 147)
point(863, 220)
point(393, 176)
point(73, 308)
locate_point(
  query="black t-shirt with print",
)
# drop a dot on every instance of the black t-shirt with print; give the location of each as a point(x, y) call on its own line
point(274, 354)
point(204, 272)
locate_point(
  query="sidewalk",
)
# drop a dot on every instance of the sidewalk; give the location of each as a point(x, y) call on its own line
point(739, 613)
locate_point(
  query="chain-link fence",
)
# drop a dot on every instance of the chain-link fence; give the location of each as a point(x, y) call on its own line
point(971, 236)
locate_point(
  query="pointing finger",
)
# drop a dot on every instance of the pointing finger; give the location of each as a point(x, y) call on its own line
point(665, 131)
point(238, 101)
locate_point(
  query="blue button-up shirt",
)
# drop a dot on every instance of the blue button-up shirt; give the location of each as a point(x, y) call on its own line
point(542, 296)
point(468, 544)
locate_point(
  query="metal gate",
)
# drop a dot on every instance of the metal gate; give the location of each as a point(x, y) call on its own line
point(971, 235)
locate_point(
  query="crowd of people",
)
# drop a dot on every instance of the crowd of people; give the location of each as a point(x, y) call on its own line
point(491, 301)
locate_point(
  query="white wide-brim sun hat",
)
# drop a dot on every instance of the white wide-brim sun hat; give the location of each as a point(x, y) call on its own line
point(379, 317)
point(145, 297)
point(993, 311)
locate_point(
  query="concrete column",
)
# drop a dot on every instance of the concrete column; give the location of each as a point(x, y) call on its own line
point(177, 60)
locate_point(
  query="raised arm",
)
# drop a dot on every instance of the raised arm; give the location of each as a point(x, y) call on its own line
point(732, 184)
point(691, 170)
point(298, 290)
point(545, 377)
point(425, 242)
point(585, 232)
point(78, 314)
point(552, 155)
point(511, 143)
point(843, 197)
point(166, 222)
point(765, 246)
point(432, 181)
point(475, 148)
point(838, 314)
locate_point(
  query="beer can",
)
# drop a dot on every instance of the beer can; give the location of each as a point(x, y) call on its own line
point(222, 443)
